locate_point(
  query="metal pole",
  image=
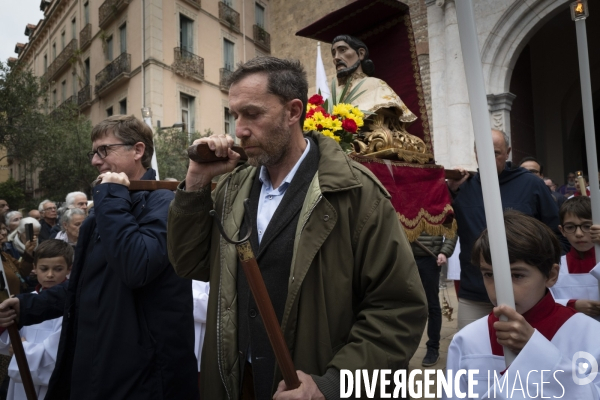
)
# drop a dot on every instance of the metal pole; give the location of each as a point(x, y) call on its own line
point(588, 121)
point(485, 156)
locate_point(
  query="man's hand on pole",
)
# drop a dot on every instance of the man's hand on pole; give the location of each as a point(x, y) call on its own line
point(114, 177)
point(308, 390)
point(514, 333)
point(453, 184)
point(9, 311)
point(200, 175)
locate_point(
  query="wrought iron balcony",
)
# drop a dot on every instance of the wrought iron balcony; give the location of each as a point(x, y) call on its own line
point(188, 65)
point(114, 72)
point(229, 16)
point(262, 38)
point(85, 36)
point(61, 62)
point(84, 97)
point(224, 74)
point(109, 9)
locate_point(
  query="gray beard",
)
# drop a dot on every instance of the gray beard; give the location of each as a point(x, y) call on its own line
point(342, 73)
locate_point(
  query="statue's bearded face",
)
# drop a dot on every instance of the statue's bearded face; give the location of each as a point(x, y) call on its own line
point(345, 59)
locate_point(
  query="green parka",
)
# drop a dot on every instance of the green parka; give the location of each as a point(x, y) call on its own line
point(355, 299)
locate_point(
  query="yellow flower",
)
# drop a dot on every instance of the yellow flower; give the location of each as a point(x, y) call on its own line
point(309, 125)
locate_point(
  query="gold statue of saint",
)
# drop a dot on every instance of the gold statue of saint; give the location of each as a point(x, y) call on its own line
point(384, 134)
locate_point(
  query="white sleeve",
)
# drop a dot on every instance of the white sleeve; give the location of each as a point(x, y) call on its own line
point(41, 358)
point(200, 292)
point(541, 366)
point(454, 363)
point(4, 343)
point(559, 301)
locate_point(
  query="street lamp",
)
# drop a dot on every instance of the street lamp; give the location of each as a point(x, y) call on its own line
point(579, 10)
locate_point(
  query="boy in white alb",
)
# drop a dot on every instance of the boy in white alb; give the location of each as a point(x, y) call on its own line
point(546, 336)
point(576, 286)
point(52, 262)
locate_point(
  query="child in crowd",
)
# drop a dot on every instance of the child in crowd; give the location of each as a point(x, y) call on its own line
point(576, 287)
point(545, 335)
point(52, 262)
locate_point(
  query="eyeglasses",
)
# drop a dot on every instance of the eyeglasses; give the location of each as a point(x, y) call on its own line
point(50, 209)
point(102, 151)
point(571, 228)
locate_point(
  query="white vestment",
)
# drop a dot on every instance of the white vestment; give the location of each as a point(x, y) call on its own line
point(200, 295)
point(471, 349)
point(41, 346)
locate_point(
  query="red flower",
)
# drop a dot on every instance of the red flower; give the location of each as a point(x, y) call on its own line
point(316, 99)
point(349, 125)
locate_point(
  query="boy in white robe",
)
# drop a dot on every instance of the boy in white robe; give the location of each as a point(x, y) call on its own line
point(576, 286)
point(52, 262)
point(546, 336)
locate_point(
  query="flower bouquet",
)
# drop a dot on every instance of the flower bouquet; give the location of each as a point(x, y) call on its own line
point(338, 119)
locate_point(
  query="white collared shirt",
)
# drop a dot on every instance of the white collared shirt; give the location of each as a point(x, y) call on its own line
point(271, 198)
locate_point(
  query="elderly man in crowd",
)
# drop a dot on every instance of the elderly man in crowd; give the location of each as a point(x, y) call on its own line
point(35, 214)
point(336, 264)
point(77, 200)
point(128, 329)
point(49, 214)
point(4, 207)
point(519, 190)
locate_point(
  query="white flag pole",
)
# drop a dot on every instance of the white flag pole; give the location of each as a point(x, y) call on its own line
point(321, 76)
point(485, 156)
point(147, 116)
point(579, 13)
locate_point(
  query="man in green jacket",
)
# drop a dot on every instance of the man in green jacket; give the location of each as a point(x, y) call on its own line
point(337, 266)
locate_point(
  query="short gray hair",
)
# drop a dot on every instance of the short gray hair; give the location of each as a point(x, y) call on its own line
point(70, 199)
point(9, 215)
point(67, 215)
point(41, 206)
point(28, 220)
point(286, 78)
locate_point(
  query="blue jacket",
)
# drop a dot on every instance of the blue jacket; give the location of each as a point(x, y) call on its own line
point(128, 329)
point(520, 190)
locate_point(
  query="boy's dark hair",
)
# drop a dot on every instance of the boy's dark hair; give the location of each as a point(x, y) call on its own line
point(54, 248)
point(579, 206)
point(528, 240)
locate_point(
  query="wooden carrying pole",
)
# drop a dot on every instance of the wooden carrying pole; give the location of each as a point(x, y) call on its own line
point(17, 344)
point(485, 154)
point(263, 302)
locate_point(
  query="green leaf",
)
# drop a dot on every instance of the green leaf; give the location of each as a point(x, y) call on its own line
point(352, 95)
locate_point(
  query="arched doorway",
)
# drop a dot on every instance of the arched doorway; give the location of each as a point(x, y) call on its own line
point(546, 118)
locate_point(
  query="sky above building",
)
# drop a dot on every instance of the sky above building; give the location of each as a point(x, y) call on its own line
point(15, 15)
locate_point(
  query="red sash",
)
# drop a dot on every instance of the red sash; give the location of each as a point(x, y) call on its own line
point(546, 316)
point(578, 265)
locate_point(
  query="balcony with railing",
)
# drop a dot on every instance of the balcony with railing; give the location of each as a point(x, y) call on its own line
point(61, 62)
point(224, 74)
point(64, 107)
point(262, 38)
point(109, 9)
point(84, 97)
point(229, 16)
point(113, 74)
point(188, 65)
point(85, 36)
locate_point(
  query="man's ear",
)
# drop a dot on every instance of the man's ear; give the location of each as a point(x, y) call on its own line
point(361, 53)
point(139, 149)
point(553, 276)
point(508, 152)
point(295, 108)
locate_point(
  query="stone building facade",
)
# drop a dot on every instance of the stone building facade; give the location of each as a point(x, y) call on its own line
point(117, 56)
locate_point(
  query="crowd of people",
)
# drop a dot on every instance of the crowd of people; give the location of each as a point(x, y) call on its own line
point(140, 297)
